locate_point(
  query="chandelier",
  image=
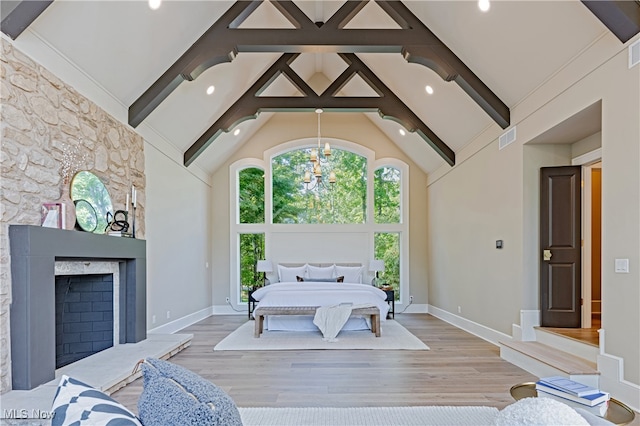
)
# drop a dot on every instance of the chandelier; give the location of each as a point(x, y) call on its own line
point(319, 157)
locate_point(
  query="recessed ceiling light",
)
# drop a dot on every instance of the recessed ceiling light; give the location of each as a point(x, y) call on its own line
point(210, 90)
point(484, 5)
point(154, 4)
point(402, 132)
point(236, 132)
point(429, 89)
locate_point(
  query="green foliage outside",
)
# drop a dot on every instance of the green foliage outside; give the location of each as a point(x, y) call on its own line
point(344, 202)
point(387, 248)
point(251, 196)
point(251, 250)
point(386, 195)
point(251, 210)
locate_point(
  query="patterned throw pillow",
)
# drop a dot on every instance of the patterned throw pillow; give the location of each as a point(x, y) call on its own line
point(78, 404)
point(173, 395)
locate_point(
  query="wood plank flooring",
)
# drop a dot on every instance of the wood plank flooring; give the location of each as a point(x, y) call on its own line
point(460, 369)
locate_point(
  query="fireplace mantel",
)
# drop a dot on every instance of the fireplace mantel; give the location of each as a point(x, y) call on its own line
point(34, 251)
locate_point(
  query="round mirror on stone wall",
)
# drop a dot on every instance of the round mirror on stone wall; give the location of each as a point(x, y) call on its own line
point(92, 202)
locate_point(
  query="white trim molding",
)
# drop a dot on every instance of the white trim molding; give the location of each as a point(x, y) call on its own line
point(180, 323)
point(479, 330)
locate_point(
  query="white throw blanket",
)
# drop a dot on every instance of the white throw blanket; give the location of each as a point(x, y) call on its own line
point(331, 319)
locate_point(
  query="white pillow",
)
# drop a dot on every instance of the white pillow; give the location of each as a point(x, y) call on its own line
point(289, 274)
point(77, 403)
point(351, 274)
point(321, 271)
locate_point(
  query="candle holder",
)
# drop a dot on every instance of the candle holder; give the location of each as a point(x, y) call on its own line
point(133, 222)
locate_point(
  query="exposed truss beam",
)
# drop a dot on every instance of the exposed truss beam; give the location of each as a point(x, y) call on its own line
point(387, 104)
point(621, 17)
point(222, 41)
point(18, 15)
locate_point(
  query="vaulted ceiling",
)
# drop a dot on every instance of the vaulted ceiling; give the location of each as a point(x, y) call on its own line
point(145, 58)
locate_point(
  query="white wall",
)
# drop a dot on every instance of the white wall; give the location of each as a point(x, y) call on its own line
point(178, 240)
point(482, 198)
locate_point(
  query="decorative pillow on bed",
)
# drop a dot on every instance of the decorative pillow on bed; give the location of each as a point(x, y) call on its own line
point(80, 404)
point(173, 395)
point(288, 274)
point(321, 280)
point(351, 274)
point(321, 271)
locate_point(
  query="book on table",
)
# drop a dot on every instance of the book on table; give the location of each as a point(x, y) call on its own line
point(598, 410)
point(569, 386)
point(588, 400)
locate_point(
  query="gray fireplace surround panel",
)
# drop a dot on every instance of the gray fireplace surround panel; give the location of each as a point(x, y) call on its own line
point(34, 251)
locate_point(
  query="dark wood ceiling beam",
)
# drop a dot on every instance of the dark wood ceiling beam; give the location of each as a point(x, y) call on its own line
point(345, 14)
point(388, 105)
point(621, 17)
point(293, 14)
point(203, 54)
point(414, 40)
point(437, 56)
point(16, 16)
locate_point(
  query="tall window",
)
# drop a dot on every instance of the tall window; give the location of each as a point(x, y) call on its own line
point(250, 211)
point(251, 250)
point(386, 195)
point(387, 248)
point(344, 202)
point(251, 196)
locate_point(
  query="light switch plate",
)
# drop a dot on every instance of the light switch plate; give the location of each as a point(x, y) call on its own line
point(622, 266)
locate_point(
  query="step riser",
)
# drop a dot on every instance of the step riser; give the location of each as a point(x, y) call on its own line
point(582, 350)
point(541, 369)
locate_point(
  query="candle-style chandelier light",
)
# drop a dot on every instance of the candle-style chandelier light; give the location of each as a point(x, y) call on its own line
point(318, 158)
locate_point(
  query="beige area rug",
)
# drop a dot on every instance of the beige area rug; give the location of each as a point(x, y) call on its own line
point(369, 416)
point(393, 336)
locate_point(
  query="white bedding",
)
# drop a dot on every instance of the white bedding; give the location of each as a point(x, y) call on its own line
point(310, 293)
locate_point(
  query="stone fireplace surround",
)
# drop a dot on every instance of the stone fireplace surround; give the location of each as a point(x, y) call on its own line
point(34, 252)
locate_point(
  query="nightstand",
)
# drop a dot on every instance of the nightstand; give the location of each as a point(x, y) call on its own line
point(251, 304)
point(391, 300)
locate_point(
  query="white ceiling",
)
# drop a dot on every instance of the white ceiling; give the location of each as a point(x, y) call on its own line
point(124, 47)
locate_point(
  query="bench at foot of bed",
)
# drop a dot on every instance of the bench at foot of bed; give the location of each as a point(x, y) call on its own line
point(260, 313)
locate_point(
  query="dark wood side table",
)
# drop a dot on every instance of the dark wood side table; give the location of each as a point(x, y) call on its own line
point(251, 304)
point(391, 300)
point(617, 413)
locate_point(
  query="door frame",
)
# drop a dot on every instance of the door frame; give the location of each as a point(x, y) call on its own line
point(586, 161)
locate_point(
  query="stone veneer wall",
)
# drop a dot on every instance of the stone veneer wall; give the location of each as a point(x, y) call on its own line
point(48, 132)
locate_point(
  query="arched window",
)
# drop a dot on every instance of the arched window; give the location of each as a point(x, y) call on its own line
point(275, 216)
point(321, 202)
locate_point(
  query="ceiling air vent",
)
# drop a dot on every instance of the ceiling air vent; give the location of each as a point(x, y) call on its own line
point(634, 54)
point(507, 138)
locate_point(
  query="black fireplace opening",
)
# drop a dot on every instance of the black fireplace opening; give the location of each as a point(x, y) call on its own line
point(84, 316)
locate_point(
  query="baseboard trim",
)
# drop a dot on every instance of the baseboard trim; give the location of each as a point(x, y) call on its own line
point(412, 309)
point(180, 323)
point(479, 330)
point(611, 370)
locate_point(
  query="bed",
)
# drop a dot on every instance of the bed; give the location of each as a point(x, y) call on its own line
point(312, 285)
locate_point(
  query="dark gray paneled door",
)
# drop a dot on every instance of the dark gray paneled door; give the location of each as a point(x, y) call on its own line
point(560, 246)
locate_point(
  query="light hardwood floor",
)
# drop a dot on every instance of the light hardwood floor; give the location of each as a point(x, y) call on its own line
point(460, 369)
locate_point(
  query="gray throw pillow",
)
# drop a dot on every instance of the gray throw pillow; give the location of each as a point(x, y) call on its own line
point(173, 395)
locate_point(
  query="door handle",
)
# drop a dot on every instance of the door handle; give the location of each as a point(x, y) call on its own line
point(546, 255)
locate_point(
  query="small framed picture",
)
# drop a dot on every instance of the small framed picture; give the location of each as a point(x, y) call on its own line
point(53, 215)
